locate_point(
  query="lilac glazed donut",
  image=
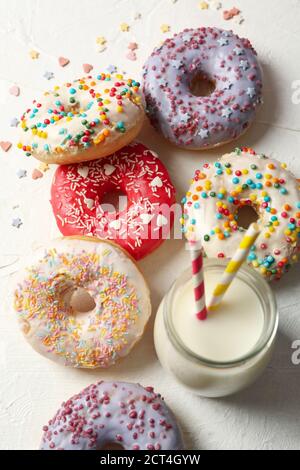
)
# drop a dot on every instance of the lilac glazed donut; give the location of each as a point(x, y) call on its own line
point(109, 413)
point(219, 57)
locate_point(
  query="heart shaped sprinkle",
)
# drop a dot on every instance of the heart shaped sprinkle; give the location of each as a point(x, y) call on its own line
point(109, 169)
point(36, 174)
point(161, 220)
point(14, 90)
point(83, 171)
point(63, 61)
point(156, 182)
point(5, 145)
point(87, 68)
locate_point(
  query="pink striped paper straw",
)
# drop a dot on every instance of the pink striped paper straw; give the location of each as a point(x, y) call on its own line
point(198, 280)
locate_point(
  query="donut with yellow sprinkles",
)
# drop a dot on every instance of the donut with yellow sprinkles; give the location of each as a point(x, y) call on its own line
point(82, 120)
point(82, 302)
point(239, 180)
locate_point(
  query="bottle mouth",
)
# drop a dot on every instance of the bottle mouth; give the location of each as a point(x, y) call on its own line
point(265, 295)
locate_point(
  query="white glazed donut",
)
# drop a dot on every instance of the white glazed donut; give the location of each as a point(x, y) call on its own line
point(87, 119)
point(58, 322)
point(245, 178)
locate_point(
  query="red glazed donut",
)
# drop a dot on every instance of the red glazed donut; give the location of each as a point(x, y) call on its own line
point(78, 190)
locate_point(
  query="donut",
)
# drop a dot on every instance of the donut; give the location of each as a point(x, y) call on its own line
point(50, 302)
point(82, 120)
point(140, 227)
point(107, 413)
point(240, 179)
point(226, 63)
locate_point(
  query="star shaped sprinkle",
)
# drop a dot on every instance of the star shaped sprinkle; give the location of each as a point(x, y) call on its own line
point(132, 46)
point(48, 75)
point(14, 122)
point(111, 68)
point(137, 15)
point(223, 42)
point(251, 92)
point(165, 28)
point(185, 118)
point(21, 173)
point(238, 51)
point(177, 64)
point(244, 64)
point(43, 167)
point(226, 113)
point(203, 133)
point(124, 27)
point(216, 5)
point(17, 222)
point(101, 40)
point(203, 6)
point(228, 86)
point(34, 54)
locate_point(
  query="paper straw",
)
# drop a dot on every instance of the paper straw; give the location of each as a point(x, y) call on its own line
point(198, 281)
point(234, 265)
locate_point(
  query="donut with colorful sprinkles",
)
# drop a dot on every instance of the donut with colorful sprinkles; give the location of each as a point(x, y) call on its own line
point(107, 413)
point(82, 120)
point(82, 302)
point(239, 180)
point(148, 194)
point(222, 60)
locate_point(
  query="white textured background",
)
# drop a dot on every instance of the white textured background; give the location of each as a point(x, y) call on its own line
point(265, 416)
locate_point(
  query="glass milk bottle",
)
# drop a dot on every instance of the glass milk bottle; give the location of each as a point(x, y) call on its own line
point(230, 349)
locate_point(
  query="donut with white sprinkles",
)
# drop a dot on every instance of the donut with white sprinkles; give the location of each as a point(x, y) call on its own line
point(222, 58)
point(139, 227)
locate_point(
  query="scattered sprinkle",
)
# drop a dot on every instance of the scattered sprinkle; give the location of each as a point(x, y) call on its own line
point(239, 19)
point(14, 122)
point(21, 173)
point(36, 174)
point(133, 46)
point(87, 68)
point(124, 27)
point(48, 75)
point(137, 15)
point(43, 167)
point(165, 28)
point(101, 40)
point(17, 222)
point(131, 55)
point(5, 145)
point(14, 90)
point(229, 14)
point(203, 5)
point(111, 68)
point(34, 54)
point(63, 61)
point(215, 5)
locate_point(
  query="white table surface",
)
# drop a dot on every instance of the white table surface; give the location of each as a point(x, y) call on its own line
point(265, 416)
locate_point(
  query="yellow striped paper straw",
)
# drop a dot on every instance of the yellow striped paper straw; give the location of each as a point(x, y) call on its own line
point(234, 265)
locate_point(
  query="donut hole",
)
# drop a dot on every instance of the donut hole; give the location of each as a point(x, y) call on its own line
point(202, 85)
point(112, 446)
point(246, 215)
point(114, 200)
point(80, 300)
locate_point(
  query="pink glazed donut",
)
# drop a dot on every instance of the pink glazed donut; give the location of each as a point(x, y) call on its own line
point(109, 413)
point(78, 190)
point(223, 59)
